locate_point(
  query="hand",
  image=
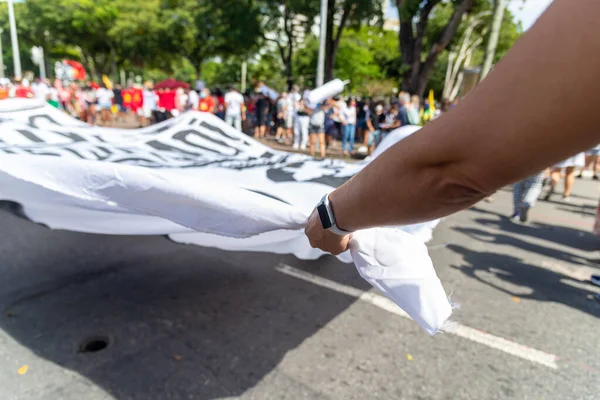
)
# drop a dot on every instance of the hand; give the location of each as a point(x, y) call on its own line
point(320, 238)
point(243, 116)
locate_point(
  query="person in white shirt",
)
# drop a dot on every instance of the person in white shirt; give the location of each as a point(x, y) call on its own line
point(234, 108)
point(193, 100)
point(302, 125)
point(149, 105)
point(348, 119)
point(292, 106)
point(40, 90)
point(104, 97)
point(337, 115)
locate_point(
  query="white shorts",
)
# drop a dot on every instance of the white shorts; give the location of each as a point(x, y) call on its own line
point(145, 112)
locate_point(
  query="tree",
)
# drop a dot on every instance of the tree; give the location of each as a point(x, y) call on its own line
point(414, 17)
point(490, 49)
point(341, 14)
point(461, 57)
point(473, 51)
point(198, 30)
point(364, 56)
point(286, 24)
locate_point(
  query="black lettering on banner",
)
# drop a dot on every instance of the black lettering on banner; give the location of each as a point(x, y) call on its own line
point(192, 121)
point(183, 135)
point(138, 161)
point(101, 157)
point(75, 138)
point(157, 155)
point(267, 195)
point(99, 138)
point(30, 136)
point(34, 118)
point(75, 153)
point(218, 130)
point(40, 152)
point(165, 147)
point(7, 151)
point(159, 129)
point(124, 150)
point(279, 175)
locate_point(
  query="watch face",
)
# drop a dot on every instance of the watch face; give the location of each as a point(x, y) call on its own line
point(324, 215)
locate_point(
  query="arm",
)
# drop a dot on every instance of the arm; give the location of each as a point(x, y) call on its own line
point(499, 134)
point(370, 125)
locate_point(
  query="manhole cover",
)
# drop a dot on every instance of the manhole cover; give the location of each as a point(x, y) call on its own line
point(93, 344)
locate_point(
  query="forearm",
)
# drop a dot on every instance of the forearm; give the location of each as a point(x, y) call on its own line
point(536, 108)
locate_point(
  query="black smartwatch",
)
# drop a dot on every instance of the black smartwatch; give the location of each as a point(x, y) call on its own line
point(328, 217)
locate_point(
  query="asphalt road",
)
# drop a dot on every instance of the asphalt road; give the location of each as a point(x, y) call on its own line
point(185, 322)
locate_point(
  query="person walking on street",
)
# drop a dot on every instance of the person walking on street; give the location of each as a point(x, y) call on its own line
point(206, 102)
point(317, 130)
point(402, 116)
point(592, 157)
point(525, 195)
point(234, 108)
point(105, 98)
point(414, 111)
point(302, 125)
point(570, 166)
point(348, 118)
point(374, 125)
point(261, 108)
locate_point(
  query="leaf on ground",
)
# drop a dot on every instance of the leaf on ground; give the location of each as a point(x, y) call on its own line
point(23, 370)
point(409, 357)
point(516, 299)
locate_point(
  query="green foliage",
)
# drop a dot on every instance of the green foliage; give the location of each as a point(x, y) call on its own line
point(184, 38)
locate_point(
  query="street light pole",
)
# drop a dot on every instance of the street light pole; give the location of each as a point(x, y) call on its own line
point(322, 44)
point(1, 56)
point(14, 39)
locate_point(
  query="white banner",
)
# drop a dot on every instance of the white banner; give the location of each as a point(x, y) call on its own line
point(201, 182)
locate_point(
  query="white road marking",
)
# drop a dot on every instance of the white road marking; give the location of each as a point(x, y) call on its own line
point(465, 332)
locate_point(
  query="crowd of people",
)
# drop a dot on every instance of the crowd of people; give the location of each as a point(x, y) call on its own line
point(359, 123)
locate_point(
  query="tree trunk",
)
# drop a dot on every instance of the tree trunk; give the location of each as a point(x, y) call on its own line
point(490, 50)
point(288, 73)
point(198, 71)
point(334, 40)
point(416, 73)
point(329, 60)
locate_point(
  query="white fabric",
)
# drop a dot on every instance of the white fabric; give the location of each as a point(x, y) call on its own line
point(234, 101)
point(202, 182)
point(330, 89)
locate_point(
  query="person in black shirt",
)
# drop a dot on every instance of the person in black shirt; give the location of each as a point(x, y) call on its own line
point(118, 101)
point(261, 109)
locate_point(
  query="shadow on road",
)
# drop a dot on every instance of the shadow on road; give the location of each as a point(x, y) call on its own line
point(545, 285)
point(502, 239)
point(562, 235)
point(183, 321)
